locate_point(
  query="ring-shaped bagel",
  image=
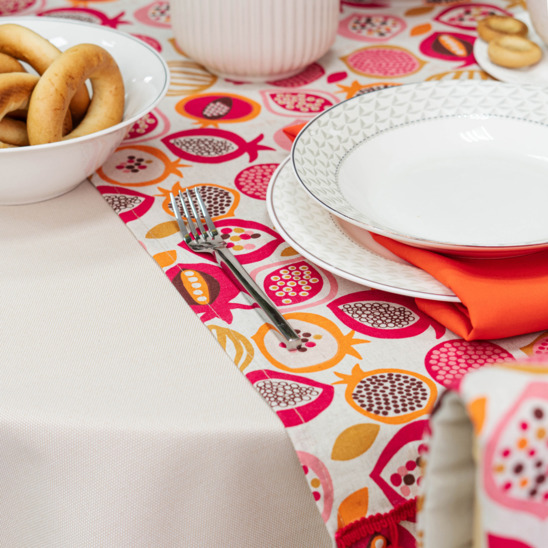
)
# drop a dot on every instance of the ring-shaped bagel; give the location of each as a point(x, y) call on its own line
point(13, 132)
point(10, 64)
point(496, 26)
point(58, 84)
point(15, 92)
point(514, 52)
point(26, 45)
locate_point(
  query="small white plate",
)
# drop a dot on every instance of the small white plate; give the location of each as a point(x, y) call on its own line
point(537, 74)
point(457, 167)
point(342, 248)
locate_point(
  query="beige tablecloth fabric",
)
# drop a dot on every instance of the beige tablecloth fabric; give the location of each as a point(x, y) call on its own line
point(122, 421)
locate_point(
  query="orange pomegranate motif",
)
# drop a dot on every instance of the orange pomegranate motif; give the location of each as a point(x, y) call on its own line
point(323, 344)
point(393, 396)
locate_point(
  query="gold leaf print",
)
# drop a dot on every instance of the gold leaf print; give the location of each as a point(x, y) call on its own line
point(289, 252)
point(163, 230)
point(421, 10)
point(242, 350)
point(187, 78)
point(420, 29)
point(354, 441)
point(353, 507)
point(476, 411)
point(165, 258)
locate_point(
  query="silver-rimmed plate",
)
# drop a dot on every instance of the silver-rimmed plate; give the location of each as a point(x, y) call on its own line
point(458, 167)
point(342, 248)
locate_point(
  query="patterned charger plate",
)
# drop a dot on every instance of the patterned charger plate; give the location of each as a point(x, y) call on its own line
point(457, 167)
point(340, 247)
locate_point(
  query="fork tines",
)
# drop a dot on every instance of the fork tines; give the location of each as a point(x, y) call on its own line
point(200, 228)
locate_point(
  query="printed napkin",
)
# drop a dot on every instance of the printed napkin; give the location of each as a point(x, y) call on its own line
point(485, 482)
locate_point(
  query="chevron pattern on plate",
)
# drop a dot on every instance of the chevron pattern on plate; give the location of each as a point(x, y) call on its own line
point(322, 146)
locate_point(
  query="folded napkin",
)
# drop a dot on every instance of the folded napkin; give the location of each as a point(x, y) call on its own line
point(499, 297)
point(485, 472)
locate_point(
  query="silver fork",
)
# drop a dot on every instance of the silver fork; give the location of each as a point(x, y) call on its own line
point(206, 239)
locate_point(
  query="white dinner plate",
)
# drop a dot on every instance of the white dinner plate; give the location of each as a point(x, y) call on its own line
point(537, 74)
point(342, 248)
point(458, 167)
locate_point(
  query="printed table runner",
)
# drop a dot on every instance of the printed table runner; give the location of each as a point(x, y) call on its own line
point(356, 398)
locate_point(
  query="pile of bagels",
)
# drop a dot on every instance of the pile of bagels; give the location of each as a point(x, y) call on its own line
point(508, 45)
point(53, 103)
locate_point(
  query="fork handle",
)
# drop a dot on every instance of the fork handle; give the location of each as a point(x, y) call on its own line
point(230, 264)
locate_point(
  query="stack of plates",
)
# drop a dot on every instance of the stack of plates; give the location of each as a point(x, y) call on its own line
point(459, 168)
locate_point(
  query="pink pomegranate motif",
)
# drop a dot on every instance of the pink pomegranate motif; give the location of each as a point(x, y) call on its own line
point(155, 14)
point(153, 125)
point(450, 46)
point(383, 315)
point(371, 27)
point(293, 284)
point(248, 240)
point(466, 16)
point(253, 180)
point(287, 102)
point(306, 76)
point(19, 7)
point(212, 146)
point(449, 361)
point(88, 15)
point(207, 290)
point(152, 42)
point(398, 471)
point(295, 399)
point(127, 203)
point(365, 3)
point(515, 466)
point(335, 77)
point(383, 62)
point(494, 541)
point(317, 476)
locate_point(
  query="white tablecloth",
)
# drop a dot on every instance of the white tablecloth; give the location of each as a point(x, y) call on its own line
point(122, 421)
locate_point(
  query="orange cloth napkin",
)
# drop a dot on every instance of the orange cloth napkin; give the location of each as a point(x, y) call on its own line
point(292, 131)
point(499, 297)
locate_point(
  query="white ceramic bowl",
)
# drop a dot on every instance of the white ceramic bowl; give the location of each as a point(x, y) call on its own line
point(255, 39)
point(36, 173)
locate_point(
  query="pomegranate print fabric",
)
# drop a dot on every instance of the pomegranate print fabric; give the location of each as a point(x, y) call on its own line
point(496, 424)
point(357, 396)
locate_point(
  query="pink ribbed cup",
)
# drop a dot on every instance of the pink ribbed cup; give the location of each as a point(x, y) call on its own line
point(254, 39)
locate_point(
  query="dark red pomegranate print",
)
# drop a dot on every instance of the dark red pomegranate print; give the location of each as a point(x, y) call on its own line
point(207, 289)
point(126, 202)
point(295, 399)
point(383, 315)
point(212, 146)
